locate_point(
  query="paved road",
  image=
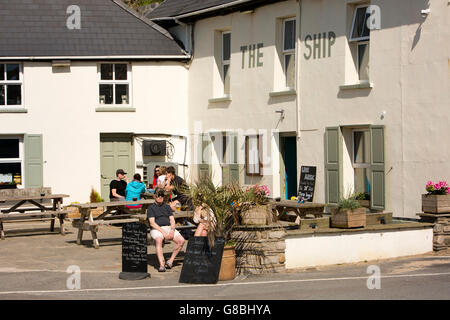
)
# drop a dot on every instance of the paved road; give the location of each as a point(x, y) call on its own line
point(412, 278)
point(34, 267)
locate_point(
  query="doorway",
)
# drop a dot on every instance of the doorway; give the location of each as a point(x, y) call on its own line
point(288, 167)
point(116, 152)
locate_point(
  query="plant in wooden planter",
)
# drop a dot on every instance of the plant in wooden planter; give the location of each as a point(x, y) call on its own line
point(253, 209)
point(348, 214)
point(363, 198)
point(437, 200)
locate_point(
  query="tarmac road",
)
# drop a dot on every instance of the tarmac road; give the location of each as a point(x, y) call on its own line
point(35, 268)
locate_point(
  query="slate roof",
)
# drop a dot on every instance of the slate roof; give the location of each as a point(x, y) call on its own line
point(177, 8)
point(38, 28)
point(173, 8)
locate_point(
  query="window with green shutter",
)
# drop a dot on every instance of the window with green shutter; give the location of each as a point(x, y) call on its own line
point(367, 154)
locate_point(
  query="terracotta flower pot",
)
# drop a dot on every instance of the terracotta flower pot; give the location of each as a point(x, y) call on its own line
point(228, 265)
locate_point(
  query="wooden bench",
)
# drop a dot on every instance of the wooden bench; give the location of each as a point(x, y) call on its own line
point(300, 209)
point(17, 205)
point(26, 192)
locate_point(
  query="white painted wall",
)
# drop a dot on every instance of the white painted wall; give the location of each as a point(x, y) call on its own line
point(327, 249)
point(61, 107)
point(409, 69)
point(251, 107)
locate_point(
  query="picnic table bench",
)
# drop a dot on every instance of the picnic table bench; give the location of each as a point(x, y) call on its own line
point(115, 213)
point(26, 208)
point(301, 209)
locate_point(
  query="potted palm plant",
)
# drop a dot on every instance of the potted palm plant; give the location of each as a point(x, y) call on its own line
point(348, 214)
point(219, 202)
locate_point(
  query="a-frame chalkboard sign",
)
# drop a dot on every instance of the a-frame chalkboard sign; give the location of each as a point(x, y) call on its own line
point(134, 252)
point(307, 183)
point(201, 263)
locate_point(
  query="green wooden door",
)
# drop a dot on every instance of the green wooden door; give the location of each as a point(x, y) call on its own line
point(333, 164)
point(377, 168)
point(116, 152)
point(34, 173)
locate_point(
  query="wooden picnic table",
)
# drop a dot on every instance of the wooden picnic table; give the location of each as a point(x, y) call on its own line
point(301, 209)
point(13, 210)
point(115, 212)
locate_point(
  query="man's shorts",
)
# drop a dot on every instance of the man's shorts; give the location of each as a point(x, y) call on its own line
point(157, 234)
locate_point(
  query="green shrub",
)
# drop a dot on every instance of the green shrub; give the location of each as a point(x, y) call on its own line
point(95, 196)
point(348, 204)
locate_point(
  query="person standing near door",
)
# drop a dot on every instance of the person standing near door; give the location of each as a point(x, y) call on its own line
point(117, 186)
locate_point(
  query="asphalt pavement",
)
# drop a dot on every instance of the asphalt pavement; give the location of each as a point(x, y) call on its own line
point(36, 264)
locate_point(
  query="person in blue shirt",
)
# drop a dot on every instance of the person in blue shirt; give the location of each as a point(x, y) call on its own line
point(134, 190)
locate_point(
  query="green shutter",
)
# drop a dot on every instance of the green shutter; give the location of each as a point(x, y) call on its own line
point(333, 164)
point(33, 163)
point(377, 169)
point(230, 170)
point(204, 167)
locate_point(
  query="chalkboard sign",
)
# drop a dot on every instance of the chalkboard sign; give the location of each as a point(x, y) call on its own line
point(134, 251)
point(307, 183)
point(201, 263)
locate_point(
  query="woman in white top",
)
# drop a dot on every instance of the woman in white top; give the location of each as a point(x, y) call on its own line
point(204, 216)
point(161, 182)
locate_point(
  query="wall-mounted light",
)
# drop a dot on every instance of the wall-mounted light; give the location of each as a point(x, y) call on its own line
point(424, 13)
point(281, 112)
point(383, 114)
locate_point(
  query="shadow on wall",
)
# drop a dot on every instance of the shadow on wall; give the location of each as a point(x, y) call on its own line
point(419, 29)
point(350, 94)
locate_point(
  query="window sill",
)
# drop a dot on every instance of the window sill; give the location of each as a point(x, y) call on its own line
point(287, 92)
point(360, 85)
point(115, 109)
point(13, 110)
point(225, 98)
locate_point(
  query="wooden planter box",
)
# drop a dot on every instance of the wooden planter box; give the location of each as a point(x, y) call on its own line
point(346, 218)
point(258, 215)
point(436, 203)
point(364, 203)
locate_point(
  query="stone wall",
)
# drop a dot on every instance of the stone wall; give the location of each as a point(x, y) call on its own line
point(260, 249)
point(441, 229)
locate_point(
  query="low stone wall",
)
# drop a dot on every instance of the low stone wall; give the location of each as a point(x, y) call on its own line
point(441, 229)
point(260, 249)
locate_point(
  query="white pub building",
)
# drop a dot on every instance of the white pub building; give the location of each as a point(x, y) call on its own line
point(244, 90)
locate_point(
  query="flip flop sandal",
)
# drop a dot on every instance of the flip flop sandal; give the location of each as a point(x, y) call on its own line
point(168, 265)
point(162, 269)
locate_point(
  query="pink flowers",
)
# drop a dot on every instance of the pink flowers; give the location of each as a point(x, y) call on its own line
point(437, 188)
point(264, 189)
point(260, 190)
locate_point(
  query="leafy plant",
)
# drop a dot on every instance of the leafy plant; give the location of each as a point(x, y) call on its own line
point(220, 201)
point(437, 188)
point(362, 196)
point(348, 203)
point(95, 196)
point(256, 195)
